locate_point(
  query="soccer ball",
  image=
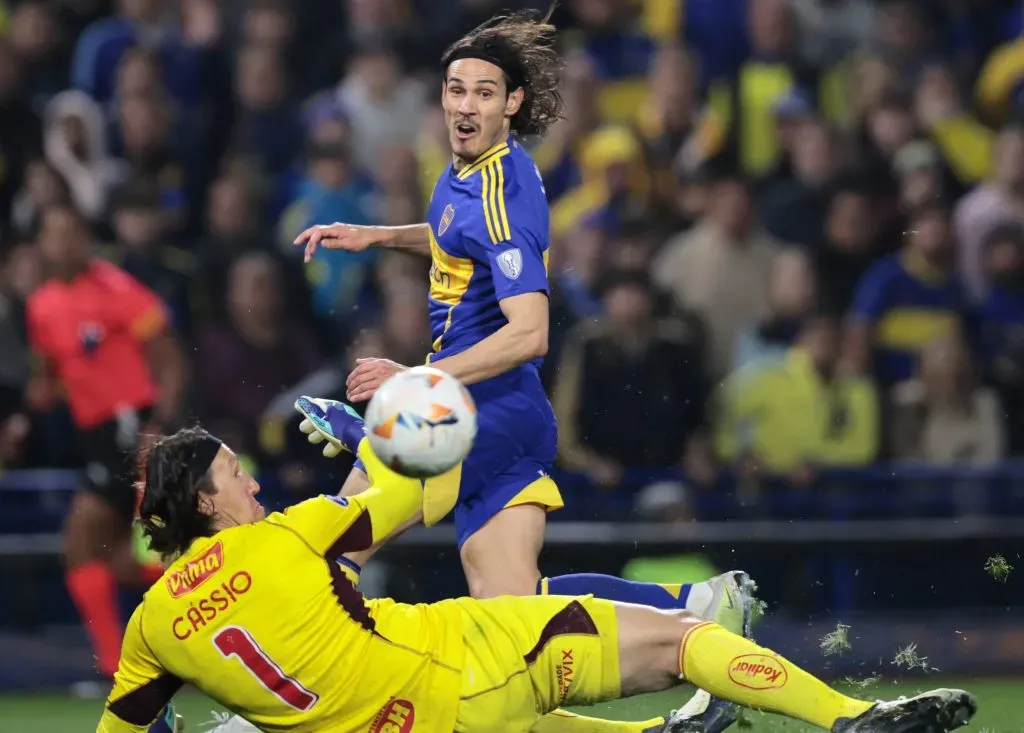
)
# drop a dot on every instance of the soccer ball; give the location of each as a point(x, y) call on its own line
point(421, 422)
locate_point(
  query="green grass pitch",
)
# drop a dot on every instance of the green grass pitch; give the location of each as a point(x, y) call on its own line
point(999, 708)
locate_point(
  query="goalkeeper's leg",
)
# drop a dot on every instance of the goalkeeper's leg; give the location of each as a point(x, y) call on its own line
point(658, 649)
point(590, 650)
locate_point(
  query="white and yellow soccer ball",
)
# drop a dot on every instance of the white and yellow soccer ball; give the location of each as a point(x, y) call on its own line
point(421, 422)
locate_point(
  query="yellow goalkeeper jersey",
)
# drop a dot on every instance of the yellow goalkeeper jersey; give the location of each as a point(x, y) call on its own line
point(260, 618)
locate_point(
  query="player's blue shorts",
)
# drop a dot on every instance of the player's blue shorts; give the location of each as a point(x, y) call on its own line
point(514, 450)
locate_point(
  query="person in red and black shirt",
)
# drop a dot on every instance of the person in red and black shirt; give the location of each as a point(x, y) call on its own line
point(102, 339)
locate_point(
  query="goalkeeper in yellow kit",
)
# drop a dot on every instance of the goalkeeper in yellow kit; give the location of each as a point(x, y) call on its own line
point(256, 613)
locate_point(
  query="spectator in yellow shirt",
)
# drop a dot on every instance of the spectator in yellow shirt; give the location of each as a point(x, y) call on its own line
point(965, 143)
point(793, 416)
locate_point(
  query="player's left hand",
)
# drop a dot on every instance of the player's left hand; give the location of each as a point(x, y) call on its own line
point(368, 376)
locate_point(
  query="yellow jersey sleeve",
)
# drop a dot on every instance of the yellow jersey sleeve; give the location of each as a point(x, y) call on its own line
point(142, 687)
point(330, 525)
point(334, 525)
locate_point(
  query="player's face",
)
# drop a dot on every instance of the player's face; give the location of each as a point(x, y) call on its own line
point(235, 500)
point(477, 107)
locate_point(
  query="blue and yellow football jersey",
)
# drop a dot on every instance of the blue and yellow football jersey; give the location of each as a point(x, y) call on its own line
point(908, 308)
point(489, 232)
point(489, 227)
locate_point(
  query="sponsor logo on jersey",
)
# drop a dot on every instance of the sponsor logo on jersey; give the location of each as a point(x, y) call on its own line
point(196, 572)
point(447, 217)
point(220, 599)
point(510, 262)
point(758, 672)
point(397, 716)
point(565, 672)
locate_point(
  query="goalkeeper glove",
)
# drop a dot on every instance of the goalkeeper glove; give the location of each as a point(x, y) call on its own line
point(332, 421)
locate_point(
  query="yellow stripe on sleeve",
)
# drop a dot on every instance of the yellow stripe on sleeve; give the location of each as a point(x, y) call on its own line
point(486, 185)
point(493, 194)
point(505, 231)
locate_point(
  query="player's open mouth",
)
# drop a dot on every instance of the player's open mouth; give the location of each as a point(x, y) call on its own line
point(464, 130)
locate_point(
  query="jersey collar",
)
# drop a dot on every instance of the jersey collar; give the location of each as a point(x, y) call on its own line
point(480, 163)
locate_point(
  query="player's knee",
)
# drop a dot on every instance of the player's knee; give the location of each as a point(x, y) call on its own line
point(650, 643)
point(678, 623)
point(670, 636)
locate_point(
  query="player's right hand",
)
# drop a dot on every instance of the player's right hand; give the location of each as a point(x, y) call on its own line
point(349, 237)
point(331, 421)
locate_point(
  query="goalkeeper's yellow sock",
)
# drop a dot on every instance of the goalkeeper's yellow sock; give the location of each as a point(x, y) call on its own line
point(561, 721)
point(739, 670)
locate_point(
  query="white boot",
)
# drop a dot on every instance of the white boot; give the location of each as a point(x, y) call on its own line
point(227, 723)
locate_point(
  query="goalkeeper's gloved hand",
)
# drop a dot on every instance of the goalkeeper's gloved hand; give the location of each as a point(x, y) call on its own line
point(332, 421)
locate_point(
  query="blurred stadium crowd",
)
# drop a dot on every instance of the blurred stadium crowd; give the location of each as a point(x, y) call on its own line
point(788, 235)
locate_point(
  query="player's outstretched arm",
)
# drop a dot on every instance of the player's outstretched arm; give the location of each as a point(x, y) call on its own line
point(414, 238)
point(142, 687)
point(336, 525)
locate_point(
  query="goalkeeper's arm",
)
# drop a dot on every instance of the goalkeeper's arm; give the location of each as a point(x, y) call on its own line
point(142, 687)
point(391, 501)
point(335, 525)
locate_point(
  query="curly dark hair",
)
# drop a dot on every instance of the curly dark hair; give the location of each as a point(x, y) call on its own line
point(522, 44)
point(169, 511)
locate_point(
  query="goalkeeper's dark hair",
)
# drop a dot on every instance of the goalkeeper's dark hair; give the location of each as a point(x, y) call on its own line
point(522, 45)
point(169, 511)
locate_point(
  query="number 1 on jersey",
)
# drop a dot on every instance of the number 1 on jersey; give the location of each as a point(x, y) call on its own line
point(234, 641)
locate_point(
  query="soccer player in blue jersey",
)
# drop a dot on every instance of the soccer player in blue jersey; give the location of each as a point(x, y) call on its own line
point(487, 237)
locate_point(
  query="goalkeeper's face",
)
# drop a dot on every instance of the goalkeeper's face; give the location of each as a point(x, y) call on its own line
point(234, 501)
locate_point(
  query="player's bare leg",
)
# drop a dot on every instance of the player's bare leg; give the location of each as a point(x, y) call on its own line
point(658, 649)
point(501, 558)
point(98, 558)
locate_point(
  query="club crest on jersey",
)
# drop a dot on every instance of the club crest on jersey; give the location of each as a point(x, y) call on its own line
point(447, 217)
point(510, 262)
point(196, 572)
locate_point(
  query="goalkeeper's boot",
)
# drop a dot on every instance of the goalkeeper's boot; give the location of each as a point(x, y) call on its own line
point(332, 421)
point(732, 603)
point(937, 711)
point(168, 722)
point(704, 713)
